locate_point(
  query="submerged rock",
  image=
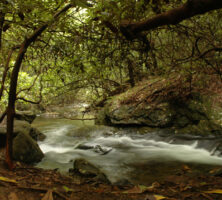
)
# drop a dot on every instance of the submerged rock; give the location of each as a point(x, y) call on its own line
point(102, 150)
point(84, 147)
point(88, 170)
point(97, 148)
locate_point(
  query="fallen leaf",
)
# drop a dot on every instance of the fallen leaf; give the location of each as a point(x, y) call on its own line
point(159, 197)
point(67, 189)
point(217, 191)
point(7, 180)
point(186, 168)
point(12, 196)
point(142, 188)
point(154, 197)
point(48, 195)
point(136, 189)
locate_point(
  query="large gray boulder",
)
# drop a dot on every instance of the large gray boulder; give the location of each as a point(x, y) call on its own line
point(160, 104)
point(26, 149)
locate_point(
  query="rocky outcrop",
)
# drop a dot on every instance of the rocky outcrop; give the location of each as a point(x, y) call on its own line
point(163, 105)
point(88, 170)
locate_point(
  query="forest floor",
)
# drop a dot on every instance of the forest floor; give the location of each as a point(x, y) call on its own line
point(30, 183)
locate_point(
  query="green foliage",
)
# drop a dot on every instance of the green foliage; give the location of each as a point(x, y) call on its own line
point(83, 55)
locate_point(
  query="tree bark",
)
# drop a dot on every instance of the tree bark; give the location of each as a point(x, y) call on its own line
point(13, 84)
point(131, 73)
point(191, 8)
point(2, 19)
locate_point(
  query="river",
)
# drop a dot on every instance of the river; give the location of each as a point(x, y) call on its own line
point(124, 153)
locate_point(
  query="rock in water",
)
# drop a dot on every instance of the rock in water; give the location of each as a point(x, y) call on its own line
point(102, 150)
point(88, 170)
point(25, 149)
point(25, 115)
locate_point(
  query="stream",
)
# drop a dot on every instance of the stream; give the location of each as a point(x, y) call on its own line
point(122, 154)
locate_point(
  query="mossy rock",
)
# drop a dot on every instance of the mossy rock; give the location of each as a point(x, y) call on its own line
point(21, 126)
point(26, 150)
point(160, 106)
point(204, 127)
point(28, 116)
point(88, 170)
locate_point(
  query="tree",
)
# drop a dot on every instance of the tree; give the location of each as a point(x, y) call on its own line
point(14, 78)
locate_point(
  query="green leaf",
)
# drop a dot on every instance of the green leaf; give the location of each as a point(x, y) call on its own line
point(67, 189)
point(81, 3)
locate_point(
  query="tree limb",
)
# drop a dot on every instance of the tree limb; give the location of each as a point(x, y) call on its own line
point(3, 116)
point(4, 75)
point(174, 16)
point(28, 101)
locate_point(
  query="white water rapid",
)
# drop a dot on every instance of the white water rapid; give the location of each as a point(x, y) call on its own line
point(118, 155)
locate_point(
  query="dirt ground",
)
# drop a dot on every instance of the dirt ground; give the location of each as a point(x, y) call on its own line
point(30, 183)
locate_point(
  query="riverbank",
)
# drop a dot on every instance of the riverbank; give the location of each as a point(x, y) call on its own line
point(30, 183)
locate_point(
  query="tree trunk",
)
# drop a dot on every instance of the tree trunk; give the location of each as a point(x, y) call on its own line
point(131, 73)
point(2, 19)
point(13, 85)
point(4, 75)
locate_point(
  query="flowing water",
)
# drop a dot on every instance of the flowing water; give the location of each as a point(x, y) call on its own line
point(123, 153)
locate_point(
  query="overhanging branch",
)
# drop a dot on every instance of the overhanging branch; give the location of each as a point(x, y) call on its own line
point(174, 16)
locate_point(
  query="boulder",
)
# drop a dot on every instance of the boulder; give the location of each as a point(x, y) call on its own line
point(25, 127)
point(88, 170)
point(164, 104)
point(25, 149)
